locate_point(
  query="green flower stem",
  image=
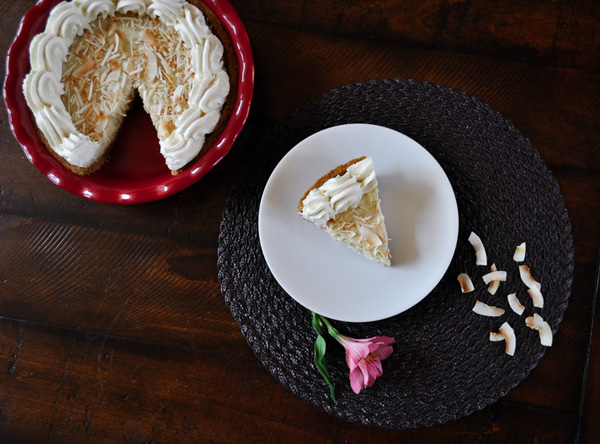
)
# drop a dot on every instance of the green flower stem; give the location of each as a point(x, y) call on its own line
point(330, 328)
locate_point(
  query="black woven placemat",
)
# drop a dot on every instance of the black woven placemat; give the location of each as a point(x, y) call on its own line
point(443, 366)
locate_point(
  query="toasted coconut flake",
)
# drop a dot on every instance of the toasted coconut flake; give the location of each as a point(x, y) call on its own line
point(515, 304)
point(509, 336)
point(519, 255)
point(177, 93)
point(114, 64)
point(545, 334)
point(136, 71)
point(480, 255)
point(370, 237)
point(526, 277)
point(484, 309)
point(113, 76)
point(162, 129)
point(83, 108)
point(83, 69)
point(152, 66)
point(465, 283)
point(122, 39)
point(536, 322)
point(494, 284)
point(102, 123)
point(107, 54)
point(494, 276)
point(496, 337)
point(536, 296)
point(91, 90)
point(147, 37)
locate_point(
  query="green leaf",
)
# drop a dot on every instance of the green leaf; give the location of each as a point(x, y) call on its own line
point(321, 363)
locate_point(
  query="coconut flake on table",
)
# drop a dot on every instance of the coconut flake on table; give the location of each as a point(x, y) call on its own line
point(480, 255)
point(515, 304)
point(496, 337)
point(484, 309)
point(526, 277)
point(536, 322)
point(466, 285)
point(536, 297)
point(494, 276)
point(494, 284)
point(509, 336)
point(519, 255)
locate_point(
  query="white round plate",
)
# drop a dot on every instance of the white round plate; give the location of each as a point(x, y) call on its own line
point(421, 217)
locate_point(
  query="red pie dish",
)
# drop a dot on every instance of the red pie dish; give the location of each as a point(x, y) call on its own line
point(136, 172)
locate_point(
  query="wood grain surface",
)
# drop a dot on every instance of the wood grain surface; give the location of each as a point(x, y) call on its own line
point(112, 324)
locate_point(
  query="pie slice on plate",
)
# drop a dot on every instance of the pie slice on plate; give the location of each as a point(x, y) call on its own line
point(345, 203)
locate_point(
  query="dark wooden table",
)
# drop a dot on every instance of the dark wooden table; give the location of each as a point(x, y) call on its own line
point(112, 324)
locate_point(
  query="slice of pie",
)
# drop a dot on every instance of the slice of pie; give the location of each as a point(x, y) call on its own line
point(345, 203)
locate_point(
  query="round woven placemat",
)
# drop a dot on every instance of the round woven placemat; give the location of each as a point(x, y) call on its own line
point(443, 366)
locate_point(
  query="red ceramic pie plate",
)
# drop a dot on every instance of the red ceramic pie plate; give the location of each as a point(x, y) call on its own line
point(136, 171)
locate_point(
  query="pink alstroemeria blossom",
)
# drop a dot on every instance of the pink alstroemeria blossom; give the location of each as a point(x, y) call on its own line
point(364, 357)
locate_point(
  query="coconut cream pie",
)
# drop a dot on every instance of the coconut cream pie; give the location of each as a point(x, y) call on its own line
point(345, 203)
point(96, 55)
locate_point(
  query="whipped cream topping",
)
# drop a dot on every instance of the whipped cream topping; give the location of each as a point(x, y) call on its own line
point(47, 52)
point(339, 193)
point(133, 6)
point(184, 92)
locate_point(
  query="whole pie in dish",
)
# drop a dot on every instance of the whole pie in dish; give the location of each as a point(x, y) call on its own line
point(95, 56)
point(345, 203)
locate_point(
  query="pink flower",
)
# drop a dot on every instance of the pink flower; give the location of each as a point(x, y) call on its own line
point(364, 357)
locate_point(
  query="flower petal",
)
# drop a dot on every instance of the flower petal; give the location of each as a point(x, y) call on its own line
point(351, 360)
point(386, 340)
point(373, 371)
point(359, 348)
point(385, 351)
point(368, 378)
point(356, 380)
point(374, 367)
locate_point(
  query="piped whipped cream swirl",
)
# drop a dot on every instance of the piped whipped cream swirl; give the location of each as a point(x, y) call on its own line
point(339, 193)
point(206, 91)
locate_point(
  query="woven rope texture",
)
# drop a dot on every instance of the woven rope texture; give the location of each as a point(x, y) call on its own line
point(443, 367)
